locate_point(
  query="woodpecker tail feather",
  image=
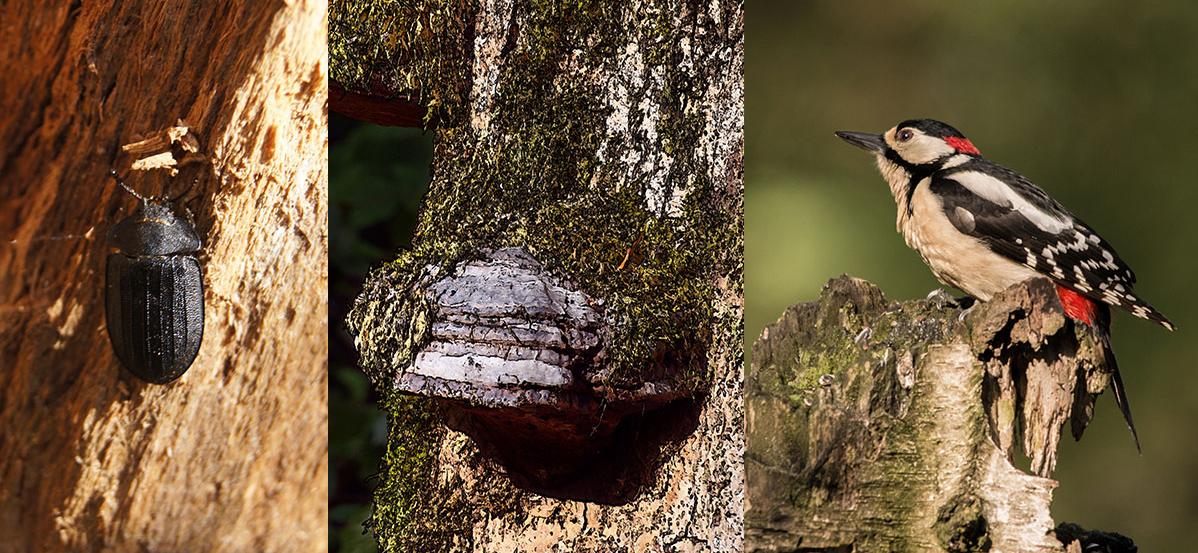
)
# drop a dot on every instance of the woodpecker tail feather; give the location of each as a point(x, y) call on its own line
point(1119, 389)
point(1097, 316)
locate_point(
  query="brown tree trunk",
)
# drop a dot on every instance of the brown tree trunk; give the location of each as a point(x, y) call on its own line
point(233, 456)
point(561, 349)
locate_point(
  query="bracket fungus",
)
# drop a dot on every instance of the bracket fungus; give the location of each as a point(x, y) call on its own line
point(516, 358)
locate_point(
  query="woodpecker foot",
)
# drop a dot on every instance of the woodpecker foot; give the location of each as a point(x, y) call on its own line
point(862, 336)
point(940, 298)
point(967, 310)
point(943, 300)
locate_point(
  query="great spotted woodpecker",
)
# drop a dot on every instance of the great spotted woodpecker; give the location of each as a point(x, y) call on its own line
point(982, 227)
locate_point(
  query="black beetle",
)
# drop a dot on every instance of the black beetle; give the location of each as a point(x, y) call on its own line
point(154, 291)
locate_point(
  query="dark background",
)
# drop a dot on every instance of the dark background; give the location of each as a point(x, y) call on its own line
point(377, 179)
point(1096, 101)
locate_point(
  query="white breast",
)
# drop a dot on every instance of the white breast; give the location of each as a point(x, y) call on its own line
point(956, 259)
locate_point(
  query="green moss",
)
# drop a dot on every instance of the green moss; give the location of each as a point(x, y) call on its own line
point(418, 507)
point(839, 355)
point(415, 48)
point(406, 516)
point(827, 349)
point(961, 526)
point(535, 182)
point(821, 338)
point(389, 320)
point(533, 179)
point(414, 509)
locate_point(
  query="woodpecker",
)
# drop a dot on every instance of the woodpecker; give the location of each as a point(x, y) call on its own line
point(982, 228)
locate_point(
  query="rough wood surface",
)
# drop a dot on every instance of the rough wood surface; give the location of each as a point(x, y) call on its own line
point(881, 426)
point(599, 145)
point(232, 457)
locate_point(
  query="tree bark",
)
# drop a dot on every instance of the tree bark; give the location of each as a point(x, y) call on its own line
point(561, 348)
point(391, 112)
point(233, 456)
point(880, 426)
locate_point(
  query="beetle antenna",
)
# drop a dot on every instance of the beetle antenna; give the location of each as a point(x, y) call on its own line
point(117, 178)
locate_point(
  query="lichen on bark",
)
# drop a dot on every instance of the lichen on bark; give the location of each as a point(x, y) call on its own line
point(604, 139)
point(404, 48)
point(893, 426)
point(544, 170)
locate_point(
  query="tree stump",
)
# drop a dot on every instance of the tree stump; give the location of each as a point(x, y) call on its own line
point(233, 456)
point(882, 426)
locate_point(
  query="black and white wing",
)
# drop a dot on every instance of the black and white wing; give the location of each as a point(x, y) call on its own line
point(1018, 220)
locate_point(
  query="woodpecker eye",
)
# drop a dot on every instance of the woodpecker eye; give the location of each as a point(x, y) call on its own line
point(905, 135)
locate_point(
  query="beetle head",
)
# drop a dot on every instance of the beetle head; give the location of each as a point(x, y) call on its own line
point(153, 229)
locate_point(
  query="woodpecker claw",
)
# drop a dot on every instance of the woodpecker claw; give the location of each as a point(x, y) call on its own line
point(941, 299)
point(965, 312)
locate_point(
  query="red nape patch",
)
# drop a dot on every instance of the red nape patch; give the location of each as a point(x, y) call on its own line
point(1077, 306)
point(962, 145)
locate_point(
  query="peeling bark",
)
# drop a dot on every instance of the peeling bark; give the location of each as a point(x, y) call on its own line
point(880, 426)
point(570, 312)
point(233, 456)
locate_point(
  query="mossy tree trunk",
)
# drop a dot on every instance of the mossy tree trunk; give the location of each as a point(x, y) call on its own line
point(881, 426)
point(233, 456)
point(561, 348)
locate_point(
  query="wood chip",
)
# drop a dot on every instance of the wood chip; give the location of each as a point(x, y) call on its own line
point(167, 148)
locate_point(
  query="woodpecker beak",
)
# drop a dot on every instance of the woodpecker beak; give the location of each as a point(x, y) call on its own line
point(863, 140)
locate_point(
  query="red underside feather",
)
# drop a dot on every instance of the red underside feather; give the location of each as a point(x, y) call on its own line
point(963, 145)
point(1077, 306)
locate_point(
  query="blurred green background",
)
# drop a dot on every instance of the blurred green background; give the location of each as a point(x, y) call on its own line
point(1096, 101)
point(377, 179)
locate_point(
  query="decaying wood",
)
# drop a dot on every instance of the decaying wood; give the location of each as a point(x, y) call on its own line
point(570, 311)
point(168, 149)
point(232, 457)
point(881, 426)
point(1041, 372)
